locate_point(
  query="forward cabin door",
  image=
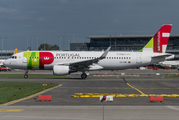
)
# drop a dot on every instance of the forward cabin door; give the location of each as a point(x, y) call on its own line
point(138, 58)
point(24, 59)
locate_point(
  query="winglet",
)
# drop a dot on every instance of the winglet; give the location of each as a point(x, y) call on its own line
point(15, 51)
point(105, 53)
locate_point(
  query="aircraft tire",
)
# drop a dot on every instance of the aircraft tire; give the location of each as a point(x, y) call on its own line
point(83, 76)
point(25, 76)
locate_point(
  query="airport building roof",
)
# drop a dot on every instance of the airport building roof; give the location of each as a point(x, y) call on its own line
point(127, 36)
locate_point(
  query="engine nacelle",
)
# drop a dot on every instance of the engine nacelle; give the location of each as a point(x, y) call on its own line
point(61, 70)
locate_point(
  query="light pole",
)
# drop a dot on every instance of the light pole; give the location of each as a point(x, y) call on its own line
point(6, 45)
point(27, 43)
point(32, 43)
point(37, 43)
point(2, 42)
point(44, 43)
point(59, 43)
point(69, 45)
point(1, 46)
point(115, 42)
point(73, 38)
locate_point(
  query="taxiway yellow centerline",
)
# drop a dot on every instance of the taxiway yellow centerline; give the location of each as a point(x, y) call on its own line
point(135, 88)
point(113, 75)
point(11, 110)
point(28, 97)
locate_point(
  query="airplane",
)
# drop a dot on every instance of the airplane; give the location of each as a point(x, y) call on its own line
point(171, 63)
point(15, 51)
point(66, 62)
point(2, 60)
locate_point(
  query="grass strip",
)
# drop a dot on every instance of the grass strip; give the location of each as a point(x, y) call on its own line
point(172, 76)
point(32, 76)
point(14, 90)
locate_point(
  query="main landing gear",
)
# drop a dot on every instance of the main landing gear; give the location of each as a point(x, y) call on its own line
point(83, 75)
point(26, 74)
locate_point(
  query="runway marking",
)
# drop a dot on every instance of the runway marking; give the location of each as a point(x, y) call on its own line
point(112, 88)
point(11, 110)
point(28, 97)
point(87, 95)
point(114, 75)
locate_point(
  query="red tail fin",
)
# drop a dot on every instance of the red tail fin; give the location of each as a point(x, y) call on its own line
point(161, 39)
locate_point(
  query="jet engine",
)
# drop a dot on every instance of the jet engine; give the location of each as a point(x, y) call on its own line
point(61, 70)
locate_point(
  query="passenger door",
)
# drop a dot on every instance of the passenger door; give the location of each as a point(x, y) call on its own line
point(138, 58)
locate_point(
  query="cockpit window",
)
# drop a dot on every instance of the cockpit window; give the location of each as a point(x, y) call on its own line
point(13, 57)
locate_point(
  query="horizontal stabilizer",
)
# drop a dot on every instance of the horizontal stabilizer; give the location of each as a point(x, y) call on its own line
point(162, 55)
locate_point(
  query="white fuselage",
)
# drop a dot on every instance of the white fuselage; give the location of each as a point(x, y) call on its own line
point(114, 60)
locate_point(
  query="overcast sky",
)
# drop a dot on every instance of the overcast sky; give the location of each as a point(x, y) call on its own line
point(49, 19)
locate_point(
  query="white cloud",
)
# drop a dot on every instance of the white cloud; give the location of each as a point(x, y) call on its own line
point(5, 10)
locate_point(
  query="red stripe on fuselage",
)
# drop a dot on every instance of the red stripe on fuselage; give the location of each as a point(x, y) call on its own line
point(45, 59)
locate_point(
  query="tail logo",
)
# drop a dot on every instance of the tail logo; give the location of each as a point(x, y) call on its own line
point(158, 43)
point(38, 59)
point(158, 40)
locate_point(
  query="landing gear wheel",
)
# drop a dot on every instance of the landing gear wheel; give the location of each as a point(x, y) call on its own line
point(83, 76)
point(25, 76)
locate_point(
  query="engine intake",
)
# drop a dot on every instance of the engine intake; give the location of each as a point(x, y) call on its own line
point(61, 70)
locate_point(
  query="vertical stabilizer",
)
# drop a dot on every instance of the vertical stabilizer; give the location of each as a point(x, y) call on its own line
point(15, 51)
point(158, 43)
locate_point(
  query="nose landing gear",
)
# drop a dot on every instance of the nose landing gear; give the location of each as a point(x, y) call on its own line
point(83, 75)
point(26, 74)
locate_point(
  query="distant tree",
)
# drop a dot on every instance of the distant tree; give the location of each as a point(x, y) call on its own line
point(55, 47)
point(48, 47)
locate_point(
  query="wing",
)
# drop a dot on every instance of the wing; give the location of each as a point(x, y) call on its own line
point(85, 64)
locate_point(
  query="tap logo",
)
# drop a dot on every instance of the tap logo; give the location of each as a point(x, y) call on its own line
point(46, 58)
point(38, 59)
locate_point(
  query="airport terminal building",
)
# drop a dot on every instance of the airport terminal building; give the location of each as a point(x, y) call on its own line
point(123, 43)
point(5, 54)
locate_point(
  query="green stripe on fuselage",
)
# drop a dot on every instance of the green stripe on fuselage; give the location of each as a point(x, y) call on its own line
point(32, 59)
